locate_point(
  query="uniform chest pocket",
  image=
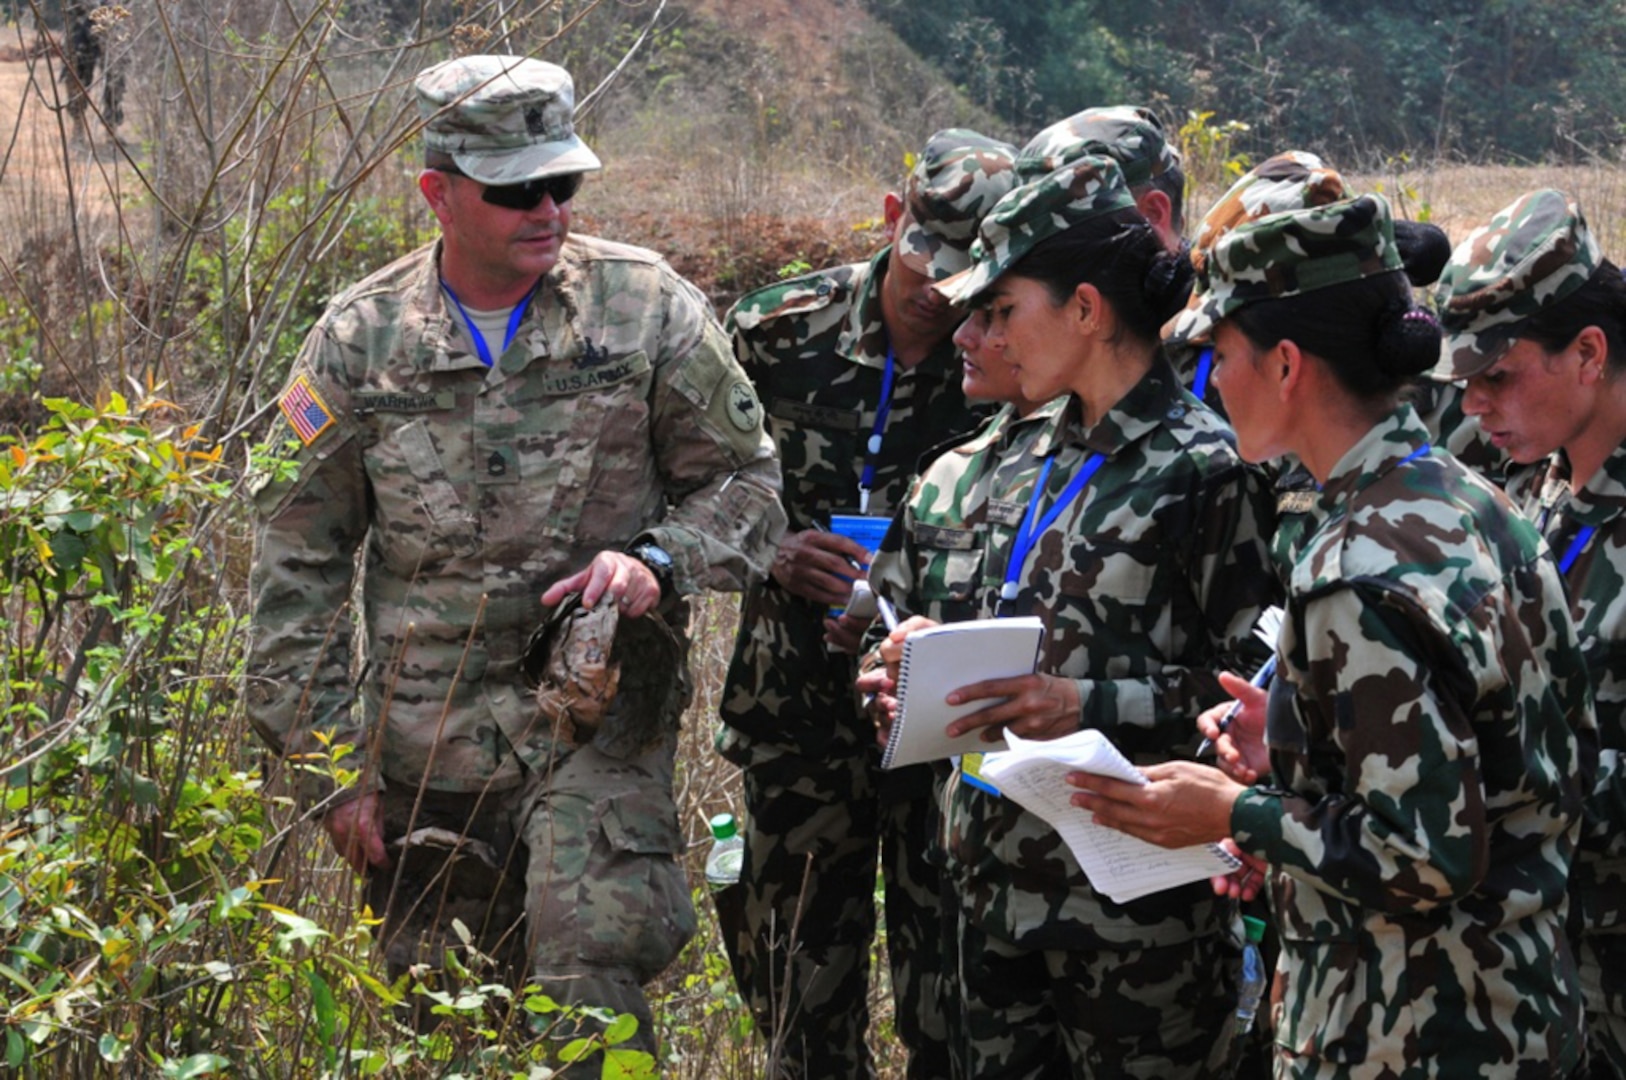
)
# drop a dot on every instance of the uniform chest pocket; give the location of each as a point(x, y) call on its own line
point(818, 453)
point(1109, 613)
point(586, 455)
point(419, 518)
point(948, 571)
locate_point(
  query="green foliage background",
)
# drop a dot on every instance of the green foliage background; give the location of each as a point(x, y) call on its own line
point(1484, 79)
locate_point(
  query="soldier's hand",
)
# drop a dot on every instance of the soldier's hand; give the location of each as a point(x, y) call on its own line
point(891, 649)
point(616, 578)
point(1033, 706)
point(819, 566)
point(1182, 803)
point(877, 687)
point(1240, 750)
point(845, 634)
point(1243, 884)
point(357, 831)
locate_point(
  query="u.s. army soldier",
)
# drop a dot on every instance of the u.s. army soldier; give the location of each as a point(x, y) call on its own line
point(500, 419)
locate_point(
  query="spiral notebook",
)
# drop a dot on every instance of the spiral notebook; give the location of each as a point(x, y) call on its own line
point(947, 657)
point(1034, 774)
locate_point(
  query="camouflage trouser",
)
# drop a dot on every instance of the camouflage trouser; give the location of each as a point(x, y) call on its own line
point(1601, 959)
point(574, 886)
point(1161, 1012)
point(815, 1015)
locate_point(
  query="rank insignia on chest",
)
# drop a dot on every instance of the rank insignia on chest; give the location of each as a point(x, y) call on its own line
point(305, 410)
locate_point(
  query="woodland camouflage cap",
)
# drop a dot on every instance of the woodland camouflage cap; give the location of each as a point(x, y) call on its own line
point(958, 178)
point(1291, 180)
point(503, 119)
point(1130, 135)
point(1297, 252)
point(1086, 188)
point(1533, 254)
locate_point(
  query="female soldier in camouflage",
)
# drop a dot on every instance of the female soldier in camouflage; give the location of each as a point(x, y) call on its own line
point(1132, 528)
point(1428, 729)
point(1535, 319)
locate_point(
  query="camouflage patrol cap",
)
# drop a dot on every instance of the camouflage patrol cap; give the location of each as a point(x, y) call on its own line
point(1291, 180)
point(503, 119)
point(1085, 188)
point(957, 179)
point(1297, 252)
point(1128, 134)
point(1533, 254)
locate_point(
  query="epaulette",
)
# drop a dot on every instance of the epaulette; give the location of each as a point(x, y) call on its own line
point(798, 296)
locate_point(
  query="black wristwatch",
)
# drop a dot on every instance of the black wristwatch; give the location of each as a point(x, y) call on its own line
point(659, 561)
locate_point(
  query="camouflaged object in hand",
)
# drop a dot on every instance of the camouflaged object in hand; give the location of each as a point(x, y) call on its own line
point(601, 679)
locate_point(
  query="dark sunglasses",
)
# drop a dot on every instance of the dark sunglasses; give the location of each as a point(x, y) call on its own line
point(528, 194)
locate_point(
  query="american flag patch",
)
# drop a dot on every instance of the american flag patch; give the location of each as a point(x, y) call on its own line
point(305, 410)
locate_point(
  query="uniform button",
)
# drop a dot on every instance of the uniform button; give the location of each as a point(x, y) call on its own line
point(823, 289)
point(495, 465)
point(1177, 412)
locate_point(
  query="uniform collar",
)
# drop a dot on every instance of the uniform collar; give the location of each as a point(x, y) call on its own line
point(435, 334)
point(1601, 499)
point(1386, 444)
point(863, 338)
point(1153, 402)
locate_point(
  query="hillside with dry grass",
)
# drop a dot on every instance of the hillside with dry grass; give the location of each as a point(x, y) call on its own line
point(161, 910)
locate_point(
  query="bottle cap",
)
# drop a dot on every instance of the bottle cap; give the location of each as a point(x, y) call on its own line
point(722, 826)
point(1255, 927)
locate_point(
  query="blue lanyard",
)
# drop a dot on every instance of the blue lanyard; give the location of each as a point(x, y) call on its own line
point(1030, 532)
point(1205, 365)
point(479, 336)
point(872, 448)
point(1573, 552)
point(1421, 451)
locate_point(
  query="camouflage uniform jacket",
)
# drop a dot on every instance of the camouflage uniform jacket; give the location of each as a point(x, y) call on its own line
point(1429, 728)
point(1596, 580)
point(930, 563)
point(816, 349)
point(616, 414)
point(1148, 584)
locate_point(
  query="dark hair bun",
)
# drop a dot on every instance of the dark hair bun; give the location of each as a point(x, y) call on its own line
point(1168, 282)
point(1408, 342)
point(1424, 251)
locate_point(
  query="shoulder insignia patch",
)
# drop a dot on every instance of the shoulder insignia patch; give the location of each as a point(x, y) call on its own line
point(743, 410)
point(307, 413)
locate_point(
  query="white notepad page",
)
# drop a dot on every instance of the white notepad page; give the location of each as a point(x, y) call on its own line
point(1033, 772)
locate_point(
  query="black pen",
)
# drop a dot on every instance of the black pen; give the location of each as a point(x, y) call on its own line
point(1259, 680)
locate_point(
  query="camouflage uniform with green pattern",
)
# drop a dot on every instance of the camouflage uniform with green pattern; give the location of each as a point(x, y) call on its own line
point(1148, 584)
point(816, 348)
point(1430, 733)
point(1429, 729)
point(616, 413)
point(1534, 253)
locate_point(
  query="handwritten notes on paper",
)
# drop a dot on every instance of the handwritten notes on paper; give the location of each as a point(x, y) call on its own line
point(1033, 773)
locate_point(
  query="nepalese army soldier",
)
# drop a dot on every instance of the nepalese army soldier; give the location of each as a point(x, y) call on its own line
point(502, 418)
point(1414, 785)
point(856, 369)
point(927, 562)
point(89, 29)
point(1535, 321)
point(1134, 531)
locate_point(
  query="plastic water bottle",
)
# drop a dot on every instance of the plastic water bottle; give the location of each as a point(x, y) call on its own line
point(1251, 988)
point(727, 853)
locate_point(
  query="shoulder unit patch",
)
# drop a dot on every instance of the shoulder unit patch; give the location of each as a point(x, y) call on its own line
point(306, 411)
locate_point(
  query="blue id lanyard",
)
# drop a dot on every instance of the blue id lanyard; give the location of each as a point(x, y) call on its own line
point(1573, 552)
point(872, 448)
point(1034, 526)
point(479, 336)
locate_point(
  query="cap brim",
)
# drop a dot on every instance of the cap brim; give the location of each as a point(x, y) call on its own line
point(1462, 356)
point(960, 289)
point(531, 162)
point(1189, 327)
